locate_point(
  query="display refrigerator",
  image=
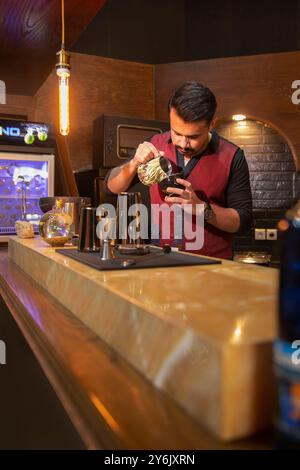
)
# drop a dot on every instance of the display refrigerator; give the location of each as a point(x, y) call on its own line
point(27, 162)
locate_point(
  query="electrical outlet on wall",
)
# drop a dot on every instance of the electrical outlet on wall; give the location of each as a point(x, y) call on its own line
point(271, 233)
point(260, 234)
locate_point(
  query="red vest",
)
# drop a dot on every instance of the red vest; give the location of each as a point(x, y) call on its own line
point(209, 179)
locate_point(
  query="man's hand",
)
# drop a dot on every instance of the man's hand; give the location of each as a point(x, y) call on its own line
point(120, 178)
point(145, 152)
point(224, 218)
point(185, 196)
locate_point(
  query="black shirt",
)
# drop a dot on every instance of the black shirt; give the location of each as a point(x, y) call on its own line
point(238, 192)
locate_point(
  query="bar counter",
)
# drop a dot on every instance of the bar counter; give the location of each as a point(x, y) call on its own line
point(149, 358)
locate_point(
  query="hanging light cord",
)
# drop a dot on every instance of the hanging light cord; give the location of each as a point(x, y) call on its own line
point(63, 24)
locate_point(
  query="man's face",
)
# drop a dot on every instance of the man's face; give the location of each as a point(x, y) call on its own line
point(190, 138)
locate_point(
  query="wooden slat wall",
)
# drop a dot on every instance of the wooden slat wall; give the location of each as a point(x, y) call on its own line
point(258, 86)
point(98, 85)
point(19, 105)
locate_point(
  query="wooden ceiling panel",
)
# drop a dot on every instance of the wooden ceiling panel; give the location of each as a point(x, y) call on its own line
point(30, 36)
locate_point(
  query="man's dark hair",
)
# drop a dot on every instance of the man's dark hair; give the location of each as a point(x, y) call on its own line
point(193, 102)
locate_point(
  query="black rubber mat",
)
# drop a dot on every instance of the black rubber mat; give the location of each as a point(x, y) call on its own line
point(154, 259)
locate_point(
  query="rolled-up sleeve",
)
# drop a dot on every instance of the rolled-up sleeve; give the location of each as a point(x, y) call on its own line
point(105, 187)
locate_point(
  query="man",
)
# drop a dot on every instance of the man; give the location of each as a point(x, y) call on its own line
point(215, 170)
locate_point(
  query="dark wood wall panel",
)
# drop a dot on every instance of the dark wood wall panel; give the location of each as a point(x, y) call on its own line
point(137, 30)
point(258, 86)
point(228, 28)
point(30, 35)
point(98, 86)
point(19, 105)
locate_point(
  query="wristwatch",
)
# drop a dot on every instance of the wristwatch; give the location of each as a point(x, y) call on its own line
point(208, 211)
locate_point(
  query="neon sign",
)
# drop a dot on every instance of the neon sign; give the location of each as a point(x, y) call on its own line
point(10, 131)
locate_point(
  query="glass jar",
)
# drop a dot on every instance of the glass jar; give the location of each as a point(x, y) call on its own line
point(56, 226)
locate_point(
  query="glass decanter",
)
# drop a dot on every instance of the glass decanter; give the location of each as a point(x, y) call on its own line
point(56, 227)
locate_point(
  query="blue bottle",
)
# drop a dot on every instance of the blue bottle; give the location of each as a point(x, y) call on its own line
point(287, 345)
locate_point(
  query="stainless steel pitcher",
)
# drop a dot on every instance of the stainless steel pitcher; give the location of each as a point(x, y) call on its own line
point(129, 218)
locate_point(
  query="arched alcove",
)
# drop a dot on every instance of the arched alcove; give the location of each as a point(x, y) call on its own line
point(275, 183)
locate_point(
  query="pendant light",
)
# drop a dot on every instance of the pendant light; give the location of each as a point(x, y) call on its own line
point(63, 72)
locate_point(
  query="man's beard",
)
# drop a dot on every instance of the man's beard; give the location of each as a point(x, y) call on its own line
point(186, 151)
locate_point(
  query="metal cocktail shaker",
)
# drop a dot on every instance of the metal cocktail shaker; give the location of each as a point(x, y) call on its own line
point(131, 219)
point(88, 239)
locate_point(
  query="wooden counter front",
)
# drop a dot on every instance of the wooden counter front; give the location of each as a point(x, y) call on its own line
point(110, 404)
point(240, 341)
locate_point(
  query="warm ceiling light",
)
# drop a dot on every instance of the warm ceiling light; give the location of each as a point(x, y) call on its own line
point(63, 72)
point(239, 117)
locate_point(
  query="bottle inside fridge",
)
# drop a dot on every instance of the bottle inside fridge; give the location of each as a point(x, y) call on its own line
point(24, 179)
point(26, 172)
